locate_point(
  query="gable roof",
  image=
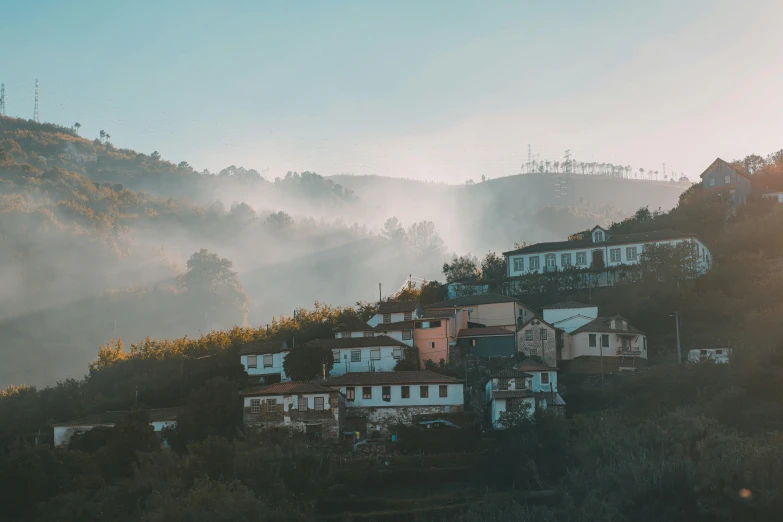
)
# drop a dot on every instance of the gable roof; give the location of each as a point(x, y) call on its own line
point(260, 347)
point(510, 373)
point(437, 314)
point(356, 342)
point(353, 327)
point(529, 365)
point(468, 300)
point(721, 163)
point(511, 394)
point(538, 318)
point(613, 239)
point(397, 307)
point(483, 332)
point(399, 325)
point(603, 325)
point(113, 417)
point(286, 388)
point(415, 377)
point(564, 305)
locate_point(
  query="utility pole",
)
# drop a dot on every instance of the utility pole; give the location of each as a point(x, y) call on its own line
point(567, 160)
point(380, 294)
point(677, 326)
point(36, 115)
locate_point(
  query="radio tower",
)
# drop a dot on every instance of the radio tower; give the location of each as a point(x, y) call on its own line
point(2, 99)
point(36, 116)
point(567, 160)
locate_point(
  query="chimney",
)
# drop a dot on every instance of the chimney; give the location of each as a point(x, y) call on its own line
point(612, 324)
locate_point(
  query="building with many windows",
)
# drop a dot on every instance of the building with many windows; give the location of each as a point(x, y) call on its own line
point(362, 354)
point(264, 360)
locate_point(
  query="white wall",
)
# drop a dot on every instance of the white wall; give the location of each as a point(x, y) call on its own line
point(455, 396)
point(537, 384)
point(377, 319)
point(588, 250)
point(569, 319)
point(580, 345)
point(345, 335)
point(277, 365)
point(397, 335)
point(288, 402)
point(384, 364)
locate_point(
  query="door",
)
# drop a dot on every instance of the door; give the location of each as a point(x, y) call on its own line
point(598, 258)
point(551, 266)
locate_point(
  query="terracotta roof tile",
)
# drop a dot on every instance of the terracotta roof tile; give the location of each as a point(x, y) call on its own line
point(529, 365)
point(485, 331)
point(511, 394)
point(509, 373)
point(287, 388)
point(416, 377)
point(399, 325)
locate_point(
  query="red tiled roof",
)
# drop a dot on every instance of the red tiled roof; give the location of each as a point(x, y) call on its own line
point(287, 388)
point(397, 307)
point(529, 365)
point(512, 394)
point(437, 314)
point(421, 377)
point(485, 331)
point(356, 342)
point(511, 373)
point(357, 327)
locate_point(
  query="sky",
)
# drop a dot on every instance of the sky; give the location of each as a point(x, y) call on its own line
point(437, 90)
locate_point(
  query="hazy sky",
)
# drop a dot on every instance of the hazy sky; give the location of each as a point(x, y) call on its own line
point(434, 90)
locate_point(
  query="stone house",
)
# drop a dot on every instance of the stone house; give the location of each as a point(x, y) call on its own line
point(377, 401)
point(538, 338)
point(309, 407)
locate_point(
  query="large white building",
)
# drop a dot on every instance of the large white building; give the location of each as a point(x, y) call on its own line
point(378, 353)
point(601, 249)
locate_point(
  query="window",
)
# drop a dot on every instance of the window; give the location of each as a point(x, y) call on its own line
point(727, 179)
point(407, 335)
point(443, 391)
point(318, 403)
point(528, 335)
point(614, 254)
point(252, 361)
point(605, 341)
point(255, 405)
point(630, 253)
point(375, 354)
point(424, 392)
point(519, 384)
point(386, 318)
point(543, 334)
point(271, 406)
point(397, 353)
point(718, 352)
point(350, 394)
point(428, 324)
point(408, 316)
point(519, 264)
point(345, 335)
point(386, 393)
point(367, 392)
point(502, 384)
point(592, 340)
point(405, 392)
point(644, 343)
point(336, 356)
point(302, 403)
point(581, 258)
point(267, 361)
point(534, 263)
point(598, 236)
point(545, 378)
point(702, 352)
point(712, 182)
point(432, 345)
point(356, 356)
point(534, 351)
point(369, 334)
point(565, 260)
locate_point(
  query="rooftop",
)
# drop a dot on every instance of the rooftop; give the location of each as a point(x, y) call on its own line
point(529, 365)
point(511, 394)
point(261, 347)
point(613, 239)
point(562, 305)
point(721, 163)
point(353, 327)
point(438, 314)
point(483, 332)
point(511, 373)
point(472, 300)
point(397, 307)
point(287, 388)
point(113, 417)
point(416, 377)
point(604, 325)
point(356, 342)
point(399, 325)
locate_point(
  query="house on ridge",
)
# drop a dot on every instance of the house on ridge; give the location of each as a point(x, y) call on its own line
point(264, 360)
point(722, 176)
point(395, 311)
point(378, 353)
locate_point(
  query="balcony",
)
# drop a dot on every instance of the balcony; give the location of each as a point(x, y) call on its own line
point(629, 351)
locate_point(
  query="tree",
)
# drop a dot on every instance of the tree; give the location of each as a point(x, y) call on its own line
point(493, 267)
point(210, 277)
point(107, 137)
point(102, 134)
point(308, 362)
point(670, 262)
point(280, 221)
point(78, 126)
point(184, 165)
point(155, 155)
point(406, 365)
point(392, 230)
point(462, 267)
point(424, 241)
point(483, 178)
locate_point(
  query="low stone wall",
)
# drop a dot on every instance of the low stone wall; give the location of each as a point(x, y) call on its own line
point(384, 418)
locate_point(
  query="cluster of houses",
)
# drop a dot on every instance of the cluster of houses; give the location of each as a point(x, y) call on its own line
point(362, 394)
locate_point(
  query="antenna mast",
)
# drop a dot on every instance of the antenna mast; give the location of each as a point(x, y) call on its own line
point(36, 115)
point(567, 160)
point(2, 99)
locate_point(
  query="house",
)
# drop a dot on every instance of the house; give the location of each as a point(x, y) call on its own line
point(543, 383)
point(309, 407)
point(506, 390)
point(376, 401)
point(159, 418)
point(488, 310)
point(490, 341)
point(362, 354)
point(401, 331)
point(538, 338)
point(264, 360)
point(354, 330)
point(717, 355)
point(569, 315)
point(601, 249)
point(606, 344)
point(778, 196)
point(722, 176)
point(435, 333)
point(395, 311)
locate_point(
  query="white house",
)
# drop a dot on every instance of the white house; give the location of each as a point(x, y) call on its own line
point(308, 407)
point(401, 331)
point(601, 249)
point(608, 342)
point(361, 354)
point(717, 355)
point(569, 315)
point(505, 390)
point(354, 330)
point(376, 401)
point(488, 310)
point(543, 383)
point(395, 311)
point(264, 359)
point(159, 418)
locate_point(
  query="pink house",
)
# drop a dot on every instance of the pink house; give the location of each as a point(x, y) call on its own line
point(436, 333)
